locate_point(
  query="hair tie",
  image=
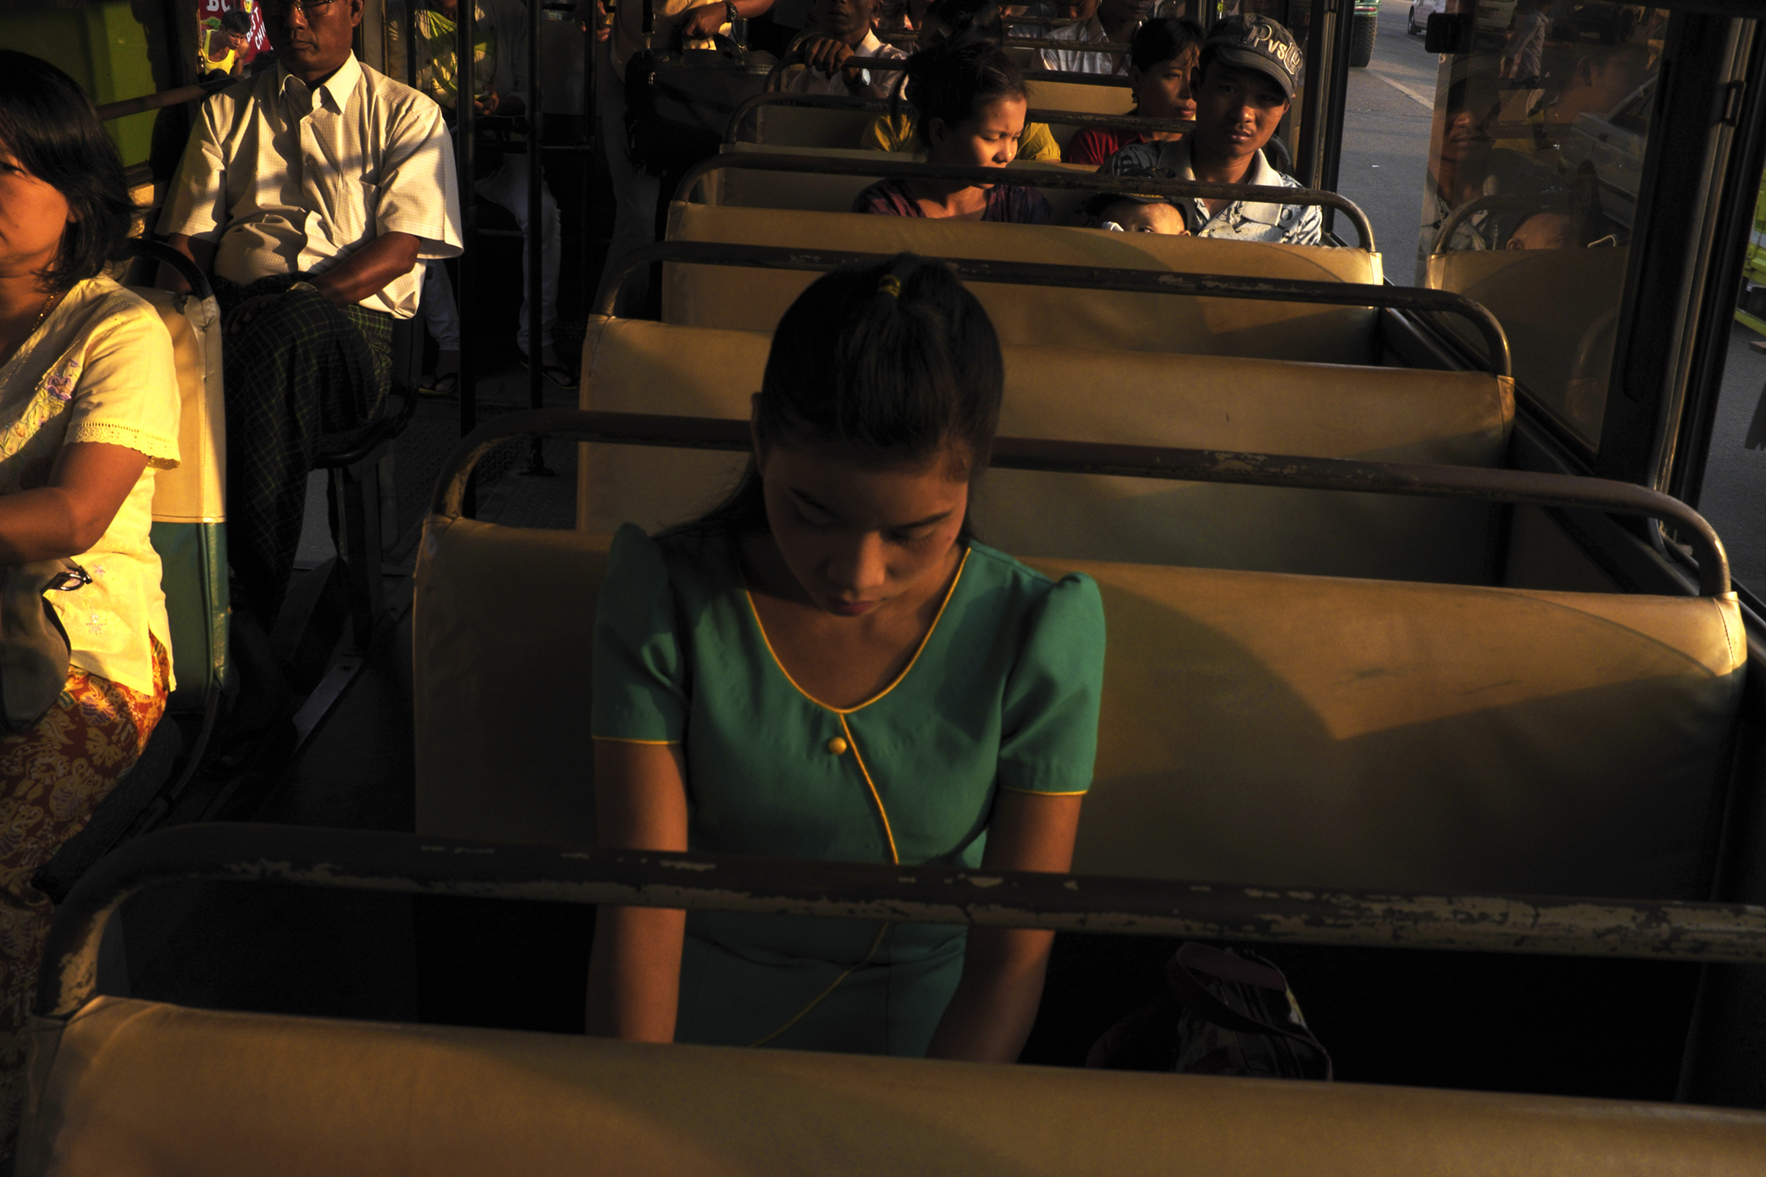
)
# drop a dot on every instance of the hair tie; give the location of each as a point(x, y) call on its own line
point(889, 284)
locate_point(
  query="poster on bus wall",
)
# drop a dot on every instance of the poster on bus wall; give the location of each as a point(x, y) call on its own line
point(222, 49)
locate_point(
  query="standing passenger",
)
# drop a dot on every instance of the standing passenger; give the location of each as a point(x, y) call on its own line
point(637, 187)
point(1244, 85)
point(828, 667)
point(969, 100)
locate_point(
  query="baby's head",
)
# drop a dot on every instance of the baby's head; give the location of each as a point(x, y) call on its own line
point(1132, 214)
point(1547, 230)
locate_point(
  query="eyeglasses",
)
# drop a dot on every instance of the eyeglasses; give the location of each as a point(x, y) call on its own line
point(279, 8)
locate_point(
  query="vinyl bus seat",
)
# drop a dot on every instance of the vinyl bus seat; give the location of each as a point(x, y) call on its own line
point(137, 1089)
point(794, 127)
point(1257, 728)
point(1116, 321)
point(1142, 398)
point(1558, 308)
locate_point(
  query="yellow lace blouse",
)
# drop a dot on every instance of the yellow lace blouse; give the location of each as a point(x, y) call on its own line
point(99, 369)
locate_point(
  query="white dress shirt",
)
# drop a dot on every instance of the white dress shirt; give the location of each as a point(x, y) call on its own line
point(1082, 61)
point(286, 178)
point(866, 83)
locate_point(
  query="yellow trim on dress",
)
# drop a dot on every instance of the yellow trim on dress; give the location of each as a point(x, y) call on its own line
point(1041, 793)
point(888, 832)
point(895, 682)
point(625, 740)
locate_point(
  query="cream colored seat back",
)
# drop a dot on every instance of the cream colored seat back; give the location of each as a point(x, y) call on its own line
point(1142, 398)
point(753, 299)
point(189, 503)
point(1256, 727)
point(1559, 308)
point(133, 1087)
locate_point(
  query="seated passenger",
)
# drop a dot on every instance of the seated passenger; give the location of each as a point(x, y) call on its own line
point(1159, 71)
point(1095, 21)
point(1546, 230)
point(89, 402)
point(311, 193)
point(1244, 84)
point(971, 102)
point(842, 30)
point(1131, 214)
point(827, 666)
point(944, 20)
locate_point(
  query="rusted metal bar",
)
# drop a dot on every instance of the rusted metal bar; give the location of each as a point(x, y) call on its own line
point(911, 40)
point(888, 164)
point(413, 864)
point(1405, 298)
point(1071, 118)
point(1136, 461)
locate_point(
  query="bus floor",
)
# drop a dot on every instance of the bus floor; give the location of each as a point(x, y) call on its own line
point(1422, 1018)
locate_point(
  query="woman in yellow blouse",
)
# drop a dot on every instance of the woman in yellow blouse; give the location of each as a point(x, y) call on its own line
point(88, 410)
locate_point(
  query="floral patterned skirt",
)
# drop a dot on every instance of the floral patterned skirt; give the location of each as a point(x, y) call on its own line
point(51, 779)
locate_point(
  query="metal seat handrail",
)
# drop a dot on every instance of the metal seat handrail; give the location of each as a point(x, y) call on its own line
point(903, 40)
point(417, 864)
point(1136, 461)
point(1357, 294)
point(888, 164)
point(1071, 118)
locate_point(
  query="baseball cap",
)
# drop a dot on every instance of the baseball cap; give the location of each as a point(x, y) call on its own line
point(1259, 43)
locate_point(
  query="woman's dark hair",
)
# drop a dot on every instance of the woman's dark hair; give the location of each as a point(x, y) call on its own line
point(955, 78)
point(51, 130)
point(1162, 39)
point(894, 362)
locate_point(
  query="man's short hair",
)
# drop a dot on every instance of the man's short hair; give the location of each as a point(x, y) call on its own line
point(49, 125)
point(235, 21)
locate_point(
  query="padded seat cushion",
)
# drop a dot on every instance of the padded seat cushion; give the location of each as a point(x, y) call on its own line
point(141, 1090)
point(753, 299)
point(1560, 310)
point(1310, 731)
point(1256, 728)
point(1205, 402)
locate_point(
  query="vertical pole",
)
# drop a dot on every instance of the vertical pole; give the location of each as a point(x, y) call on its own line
point(465, 75)
point(535, 242)
point(410, 43)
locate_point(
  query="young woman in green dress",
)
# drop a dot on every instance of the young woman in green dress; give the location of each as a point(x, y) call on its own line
point(828, 667)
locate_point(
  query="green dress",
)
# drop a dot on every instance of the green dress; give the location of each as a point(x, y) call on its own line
point(1003, 694)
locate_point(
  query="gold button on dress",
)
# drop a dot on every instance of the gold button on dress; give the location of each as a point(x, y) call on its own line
point(837, 746)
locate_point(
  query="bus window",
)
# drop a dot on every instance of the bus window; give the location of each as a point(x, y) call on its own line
point(1535, 156)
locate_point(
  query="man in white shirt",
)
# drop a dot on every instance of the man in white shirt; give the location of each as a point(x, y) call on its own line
point(1096, 21)
point(311, 193)
point(843, 31)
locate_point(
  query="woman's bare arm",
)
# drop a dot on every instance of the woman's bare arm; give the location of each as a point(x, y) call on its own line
point(990, 1015)
point(87, 487)
point(635, 966)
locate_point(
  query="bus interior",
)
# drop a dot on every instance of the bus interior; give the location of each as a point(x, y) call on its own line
point(1432, 557)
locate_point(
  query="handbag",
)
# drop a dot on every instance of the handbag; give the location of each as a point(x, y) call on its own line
point(34, 647)
point(676, 103)
point(1223, 1012)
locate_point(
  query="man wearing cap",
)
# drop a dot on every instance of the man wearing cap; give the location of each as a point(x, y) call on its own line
point(1244, 84)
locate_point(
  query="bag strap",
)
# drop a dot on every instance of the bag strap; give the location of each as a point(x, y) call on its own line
point(1195, 995)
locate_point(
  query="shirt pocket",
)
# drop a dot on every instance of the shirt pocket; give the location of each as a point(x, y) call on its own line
point(357, 202)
